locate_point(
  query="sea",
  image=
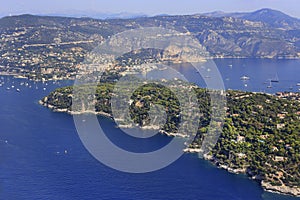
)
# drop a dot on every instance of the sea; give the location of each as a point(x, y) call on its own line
point(42, 157)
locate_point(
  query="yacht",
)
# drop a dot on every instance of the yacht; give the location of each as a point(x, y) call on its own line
point(245, 78)
point(275, 80)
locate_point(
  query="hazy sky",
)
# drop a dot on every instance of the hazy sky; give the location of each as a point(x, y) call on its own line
point(150, 7)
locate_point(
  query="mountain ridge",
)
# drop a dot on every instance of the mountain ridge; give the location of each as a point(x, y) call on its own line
point(33, 43)
point(268, 16)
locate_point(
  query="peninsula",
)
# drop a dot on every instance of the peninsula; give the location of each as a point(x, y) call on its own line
point(260, 135)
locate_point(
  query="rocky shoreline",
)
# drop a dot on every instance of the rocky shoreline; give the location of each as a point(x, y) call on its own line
point(51, 107)
point(268, 187)
point(283, 189)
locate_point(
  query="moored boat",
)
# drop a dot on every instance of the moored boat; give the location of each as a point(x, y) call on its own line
point(245, 78)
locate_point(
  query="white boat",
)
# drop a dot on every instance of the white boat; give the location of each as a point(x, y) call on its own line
point(298, 84)
point(245, 78)
point(270, 85)
point(18, 90)
point(275, 80)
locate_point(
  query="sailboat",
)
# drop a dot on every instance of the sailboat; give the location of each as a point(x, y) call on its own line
point(275, 80)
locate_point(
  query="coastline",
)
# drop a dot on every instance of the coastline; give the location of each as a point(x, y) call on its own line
point(51, 107)
point(72, 76)
point(283, 189)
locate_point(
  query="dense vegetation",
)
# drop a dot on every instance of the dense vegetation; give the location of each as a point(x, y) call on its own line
point(262, 134)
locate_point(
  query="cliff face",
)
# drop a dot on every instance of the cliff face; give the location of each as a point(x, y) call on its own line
point(242, 44)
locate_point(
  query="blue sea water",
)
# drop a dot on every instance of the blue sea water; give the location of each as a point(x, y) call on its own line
point(33, 141)
point(260, 72)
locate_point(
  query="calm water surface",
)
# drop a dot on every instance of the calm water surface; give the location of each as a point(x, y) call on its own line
point(33, 141)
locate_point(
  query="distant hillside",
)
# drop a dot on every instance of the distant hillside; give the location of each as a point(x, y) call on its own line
point(270, 17)
point(34, 43)
point(274, 18)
